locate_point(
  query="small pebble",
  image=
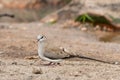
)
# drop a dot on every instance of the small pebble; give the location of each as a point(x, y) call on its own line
point(97, 27)
point(83, 29)
point(37, 70)
point(116, 63)
point(58, 78)
point(104, 28)
point(14, 63)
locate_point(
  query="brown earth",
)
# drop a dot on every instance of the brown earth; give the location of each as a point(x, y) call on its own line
point(18, 42)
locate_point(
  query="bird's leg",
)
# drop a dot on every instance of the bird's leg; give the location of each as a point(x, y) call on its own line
point(52, 63)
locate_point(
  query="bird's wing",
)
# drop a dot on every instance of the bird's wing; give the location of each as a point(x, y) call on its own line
point(55, 53)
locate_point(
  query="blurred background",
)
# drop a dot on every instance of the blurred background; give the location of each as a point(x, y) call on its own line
point(29, 10)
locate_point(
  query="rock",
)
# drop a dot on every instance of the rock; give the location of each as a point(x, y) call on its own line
point(116, 63)
point(104, 28)
point(37, 4)
point(14, 63)
point(97, 27)
point(83, 29)
point(37, 70)
point(58, 78)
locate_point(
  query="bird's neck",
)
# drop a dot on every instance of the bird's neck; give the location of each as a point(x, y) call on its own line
point(41, 48)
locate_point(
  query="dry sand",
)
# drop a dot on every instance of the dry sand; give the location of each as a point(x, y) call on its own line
point(18, 41)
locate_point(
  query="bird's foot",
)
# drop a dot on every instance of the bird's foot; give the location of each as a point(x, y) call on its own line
point(55, 64)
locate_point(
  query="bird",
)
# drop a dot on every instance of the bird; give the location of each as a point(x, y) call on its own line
point(48, 55)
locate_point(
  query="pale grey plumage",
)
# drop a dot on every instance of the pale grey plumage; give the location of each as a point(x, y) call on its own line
point(41, 50)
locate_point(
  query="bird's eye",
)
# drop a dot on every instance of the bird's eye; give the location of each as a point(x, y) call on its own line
point(41, 37)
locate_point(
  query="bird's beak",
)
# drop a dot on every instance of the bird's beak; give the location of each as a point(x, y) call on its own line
point(38, 40)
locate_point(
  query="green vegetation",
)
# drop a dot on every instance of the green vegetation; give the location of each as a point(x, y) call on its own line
point(84, 18)
point(93, 18)
point(96, 19)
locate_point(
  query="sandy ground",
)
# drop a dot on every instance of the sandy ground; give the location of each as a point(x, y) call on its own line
point(18, 41)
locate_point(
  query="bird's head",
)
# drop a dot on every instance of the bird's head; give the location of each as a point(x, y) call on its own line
point(41, 38)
